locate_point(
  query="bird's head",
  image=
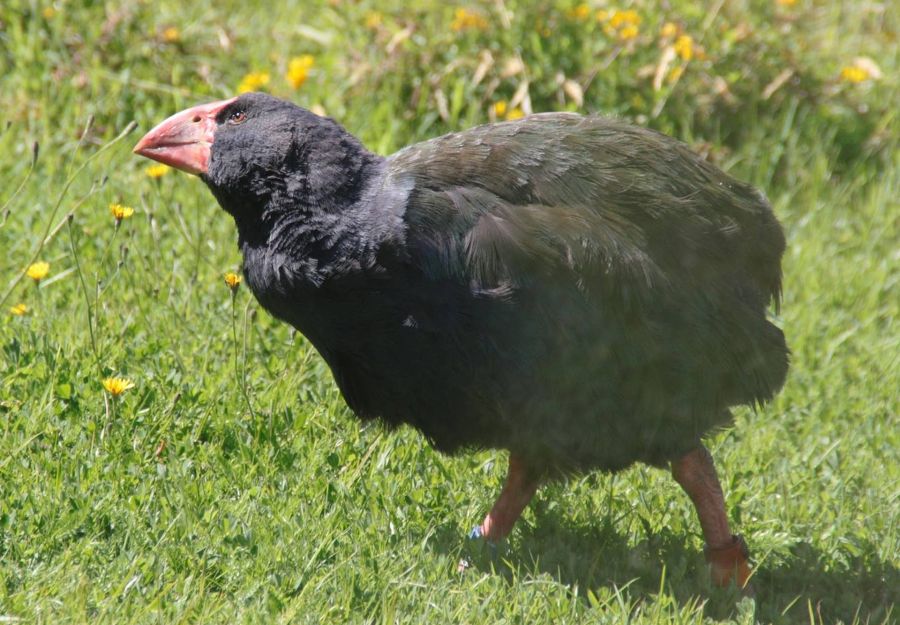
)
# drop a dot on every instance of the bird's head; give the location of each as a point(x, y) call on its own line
point(255, 150)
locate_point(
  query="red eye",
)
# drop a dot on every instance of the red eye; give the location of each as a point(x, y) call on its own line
point(237, 117)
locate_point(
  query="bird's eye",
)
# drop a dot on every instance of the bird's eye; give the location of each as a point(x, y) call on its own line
point(237, 117)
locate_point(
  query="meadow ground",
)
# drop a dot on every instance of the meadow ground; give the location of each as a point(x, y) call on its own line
point(229, 484)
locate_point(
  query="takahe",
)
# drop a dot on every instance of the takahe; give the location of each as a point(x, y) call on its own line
point(579, 291)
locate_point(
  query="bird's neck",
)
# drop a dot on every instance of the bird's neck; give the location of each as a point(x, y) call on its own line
point(313, 234)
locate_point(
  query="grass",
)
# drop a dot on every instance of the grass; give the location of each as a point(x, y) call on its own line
point(231, 484)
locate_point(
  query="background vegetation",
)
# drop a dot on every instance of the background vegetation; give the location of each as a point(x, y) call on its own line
point(169, 455)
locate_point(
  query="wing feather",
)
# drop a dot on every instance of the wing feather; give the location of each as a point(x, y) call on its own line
point(507, 204)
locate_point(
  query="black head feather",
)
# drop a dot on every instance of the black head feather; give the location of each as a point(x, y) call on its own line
point(269, 153)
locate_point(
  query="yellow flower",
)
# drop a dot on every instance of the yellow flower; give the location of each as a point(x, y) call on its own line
point(117, 386)
point(580, 12)
point(298, 70)
point(48, 12)
point(628, 32)
point(18, 310)
point(232, 280)
point(620, 19)
point(669, 29)
point(500, 108)
point(684, 46)
point(171, 35)
point(465, 19)
point(38, 271)
point(515, 113)
point(602, 15)
point(674, 75)
point(253, 81)
point(156, 171)
point(786, 3)
point(854, 74)
point(120, 212)
point(373, 20)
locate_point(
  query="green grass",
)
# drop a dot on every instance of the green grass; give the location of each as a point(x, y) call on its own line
point(233, 485)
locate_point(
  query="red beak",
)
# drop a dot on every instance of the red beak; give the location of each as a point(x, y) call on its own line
point(183, 140)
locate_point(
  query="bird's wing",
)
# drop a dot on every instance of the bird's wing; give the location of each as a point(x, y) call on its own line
point(610, 204)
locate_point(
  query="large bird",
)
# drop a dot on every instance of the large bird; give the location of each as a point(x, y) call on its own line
point(579, 291)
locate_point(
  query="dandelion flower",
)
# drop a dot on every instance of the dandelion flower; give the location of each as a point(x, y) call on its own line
point(373, 20)
point(156, 171)
point(628, 32)
point(254, 81)
point(38, 271)
point(464, 19)
point(116, 386)
point(120, 212)
point(18, 310)
point(232, 280)
point(298, 70)
point(854, 74)
point(622, 19)
point(668, 30)
point(684, 47)
point(515, 113)
point(171, 35)
point(48, 12)
point(500, 108)
point(579, 13)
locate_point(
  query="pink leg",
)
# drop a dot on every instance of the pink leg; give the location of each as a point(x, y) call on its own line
point(725, 552)
point(517, 492)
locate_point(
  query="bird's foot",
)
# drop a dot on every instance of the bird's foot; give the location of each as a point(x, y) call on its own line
point(477, 533)
point(483, 547)
point(731, 564)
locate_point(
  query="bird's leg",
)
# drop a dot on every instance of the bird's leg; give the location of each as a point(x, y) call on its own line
point(521, 484)
point(726, 553)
